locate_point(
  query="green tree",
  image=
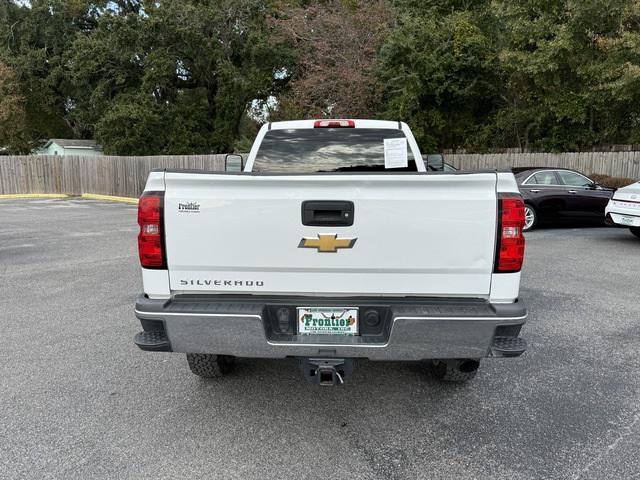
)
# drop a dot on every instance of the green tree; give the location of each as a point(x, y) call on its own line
point(12, 112)
point(35, 37)
point(440, 73)
point(571, 70)
point(152, 77)
point(533, 74)
point(186, 72)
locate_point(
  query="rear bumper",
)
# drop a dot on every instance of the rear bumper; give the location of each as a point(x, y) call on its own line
point(615, 218)
point(622, 213)
point(415, 329)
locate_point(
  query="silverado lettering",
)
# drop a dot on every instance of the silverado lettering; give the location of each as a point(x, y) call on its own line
point(236, 283)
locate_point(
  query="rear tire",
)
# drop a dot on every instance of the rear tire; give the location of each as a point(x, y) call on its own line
point(210, 366)
point(635, 231)
point(530, 217)
point(457, 371)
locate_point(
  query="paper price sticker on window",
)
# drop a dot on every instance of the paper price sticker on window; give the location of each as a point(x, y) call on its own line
point(395, 153)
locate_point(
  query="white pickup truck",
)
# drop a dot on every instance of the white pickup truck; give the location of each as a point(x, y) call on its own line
point(333, 244)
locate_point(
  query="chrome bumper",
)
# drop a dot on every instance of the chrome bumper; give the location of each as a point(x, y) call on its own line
point(419, 329)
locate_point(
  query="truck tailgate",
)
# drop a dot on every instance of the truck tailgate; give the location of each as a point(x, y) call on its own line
point(415, 234)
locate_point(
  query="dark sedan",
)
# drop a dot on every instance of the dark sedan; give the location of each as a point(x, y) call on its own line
point(560, 196)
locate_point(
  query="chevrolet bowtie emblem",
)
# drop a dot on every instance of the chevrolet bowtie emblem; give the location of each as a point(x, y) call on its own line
point(327, 243)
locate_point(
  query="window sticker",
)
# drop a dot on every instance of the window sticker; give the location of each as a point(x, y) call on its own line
point(395, 153)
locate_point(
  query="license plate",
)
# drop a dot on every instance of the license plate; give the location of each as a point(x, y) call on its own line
point(626, 220)
point(327, 320)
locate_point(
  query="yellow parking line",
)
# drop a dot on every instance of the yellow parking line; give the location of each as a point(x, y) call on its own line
point(110, 198)
point(33, 195)
point(88, 196)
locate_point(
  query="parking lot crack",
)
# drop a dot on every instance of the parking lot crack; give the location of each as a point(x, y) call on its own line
point(621, 434)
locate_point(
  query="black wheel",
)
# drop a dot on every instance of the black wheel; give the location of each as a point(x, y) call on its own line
point(461, 370)
point(635, 231)
point(530, 217)
point(210, 366)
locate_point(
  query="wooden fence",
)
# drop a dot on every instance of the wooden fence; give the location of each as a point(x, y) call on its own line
point(105, 175)
point(616, 164)
point(126, 176)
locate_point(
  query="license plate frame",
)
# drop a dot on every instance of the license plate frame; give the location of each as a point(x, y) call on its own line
point(342, 321)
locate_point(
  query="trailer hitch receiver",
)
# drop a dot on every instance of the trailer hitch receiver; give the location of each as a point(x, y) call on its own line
point(327, 372)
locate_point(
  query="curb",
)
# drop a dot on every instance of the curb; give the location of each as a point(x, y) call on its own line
point(109, 198)
point(33, 195)
point(88, 196)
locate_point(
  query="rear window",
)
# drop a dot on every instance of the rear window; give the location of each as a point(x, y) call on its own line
point(312, 150)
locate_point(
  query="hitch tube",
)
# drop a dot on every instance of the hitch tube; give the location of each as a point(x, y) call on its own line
point(327, 372)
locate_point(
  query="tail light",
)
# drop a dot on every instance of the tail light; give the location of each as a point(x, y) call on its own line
point(334, 124)
point(151, 236)
point(510, 247)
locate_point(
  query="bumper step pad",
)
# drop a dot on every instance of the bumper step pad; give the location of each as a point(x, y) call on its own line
point(153, 341)
point(508, 346)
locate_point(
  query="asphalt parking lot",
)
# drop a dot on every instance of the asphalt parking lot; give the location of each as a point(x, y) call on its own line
point(79, 400)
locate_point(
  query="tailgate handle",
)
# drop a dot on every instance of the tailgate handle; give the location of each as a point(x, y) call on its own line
point(327, 213)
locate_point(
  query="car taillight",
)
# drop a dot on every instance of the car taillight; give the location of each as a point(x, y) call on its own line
point(334, 124)
point(510, 247)
point(151, 236)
